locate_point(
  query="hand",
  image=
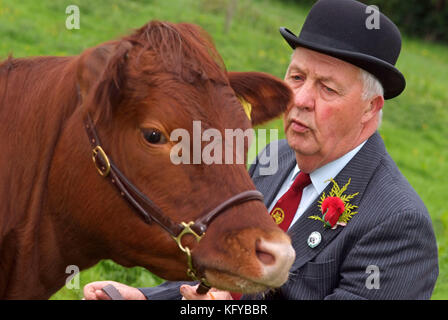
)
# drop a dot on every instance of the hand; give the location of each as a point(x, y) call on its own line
point(189, 293)
point(92, 291)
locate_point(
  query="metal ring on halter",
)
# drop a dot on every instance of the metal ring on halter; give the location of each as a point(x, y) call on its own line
point(191, 271)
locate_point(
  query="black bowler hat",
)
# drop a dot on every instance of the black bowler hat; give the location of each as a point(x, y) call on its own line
point(343, 29)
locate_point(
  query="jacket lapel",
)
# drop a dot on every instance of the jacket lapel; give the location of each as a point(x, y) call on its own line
point(360, 170)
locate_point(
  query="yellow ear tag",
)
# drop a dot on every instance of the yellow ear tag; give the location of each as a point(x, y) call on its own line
point(246, 106)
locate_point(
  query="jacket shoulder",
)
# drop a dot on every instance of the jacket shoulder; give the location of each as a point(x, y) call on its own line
point(278, 149)
point(389, 193)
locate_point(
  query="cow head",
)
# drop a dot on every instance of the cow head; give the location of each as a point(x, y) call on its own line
point(139, 90)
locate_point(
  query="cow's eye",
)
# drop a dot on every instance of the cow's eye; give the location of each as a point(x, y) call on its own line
point(154, 136)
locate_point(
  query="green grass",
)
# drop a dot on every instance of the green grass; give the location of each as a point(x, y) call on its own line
point(414, 127)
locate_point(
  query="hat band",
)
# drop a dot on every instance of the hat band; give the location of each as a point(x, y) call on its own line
point(321, 40)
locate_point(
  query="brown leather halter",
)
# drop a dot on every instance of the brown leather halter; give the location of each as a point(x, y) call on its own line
point(151, 212)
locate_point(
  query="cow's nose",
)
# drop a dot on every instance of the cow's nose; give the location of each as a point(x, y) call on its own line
point(276, 258)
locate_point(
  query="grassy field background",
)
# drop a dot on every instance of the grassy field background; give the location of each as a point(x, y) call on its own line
point(414, 128)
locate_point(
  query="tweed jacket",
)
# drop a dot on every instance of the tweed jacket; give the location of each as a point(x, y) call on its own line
point(387, 250)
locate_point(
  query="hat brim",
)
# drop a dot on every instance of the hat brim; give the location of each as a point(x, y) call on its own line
point(390, 77)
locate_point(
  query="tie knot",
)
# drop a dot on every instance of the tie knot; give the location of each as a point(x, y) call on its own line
point(301, 181)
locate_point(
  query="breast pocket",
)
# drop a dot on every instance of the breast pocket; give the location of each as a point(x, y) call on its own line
point(317, 270)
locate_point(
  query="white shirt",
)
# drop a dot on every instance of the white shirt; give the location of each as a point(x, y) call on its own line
point(320, 178)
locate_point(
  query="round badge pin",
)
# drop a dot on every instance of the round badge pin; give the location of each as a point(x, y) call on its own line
point(314, 239)
point(278, 215)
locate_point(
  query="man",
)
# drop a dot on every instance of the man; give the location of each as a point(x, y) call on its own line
point(374, 238)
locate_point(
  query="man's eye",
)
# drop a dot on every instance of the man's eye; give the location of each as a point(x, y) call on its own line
point(154, 136)
point(329, 90)
point(296, 77)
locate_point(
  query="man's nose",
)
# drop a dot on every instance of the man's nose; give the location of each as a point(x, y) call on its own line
point(305, 96)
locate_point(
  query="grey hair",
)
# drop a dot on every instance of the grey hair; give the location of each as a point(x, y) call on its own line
point(372, 86)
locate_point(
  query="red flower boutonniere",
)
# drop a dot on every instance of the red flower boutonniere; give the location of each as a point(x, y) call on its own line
point(336, 207)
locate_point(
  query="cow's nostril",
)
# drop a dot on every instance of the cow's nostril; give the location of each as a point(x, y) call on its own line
point(263, 255)
point(275, 257)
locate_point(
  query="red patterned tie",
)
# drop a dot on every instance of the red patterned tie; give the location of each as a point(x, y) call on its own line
point(286, 207)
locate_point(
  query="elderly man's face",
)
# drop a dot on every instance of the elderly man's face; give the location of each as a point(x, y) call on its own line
point(328, 115)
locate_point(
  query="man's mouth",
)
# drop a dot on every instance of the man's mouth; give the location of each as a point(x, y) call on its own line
point(298, 126)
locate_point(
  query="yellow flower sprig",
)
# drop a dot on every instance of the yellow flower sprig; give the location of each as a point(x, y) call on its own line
point(336, 191)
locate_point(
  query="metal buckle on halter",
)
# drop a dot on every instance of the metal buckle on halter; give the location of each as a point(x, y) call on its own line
point(191, 272)
point(104, 167)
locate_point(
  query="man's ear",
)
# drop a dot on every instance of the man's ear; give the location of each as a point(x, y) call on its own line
point(373, 108)
point(261, 94)
point(100, 76)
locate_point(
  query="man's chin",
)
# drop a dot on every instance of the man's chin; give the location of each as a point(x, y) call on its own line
point(303, 144)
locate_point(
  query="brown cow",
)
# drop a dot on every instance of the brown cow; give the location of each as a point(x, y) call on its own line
point(56, 210)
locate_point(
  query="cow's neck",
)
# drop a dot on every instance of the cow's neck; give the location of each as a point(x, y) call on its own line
point(47, 254)
point(32, 261)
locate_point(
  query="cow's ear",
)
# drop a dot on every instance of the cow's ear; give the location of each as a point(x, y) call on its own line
point(101, 77)
point(261, 94)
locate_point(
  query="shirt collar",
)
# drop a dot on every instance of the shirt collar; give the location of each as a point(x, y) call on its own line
point(320, 177)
